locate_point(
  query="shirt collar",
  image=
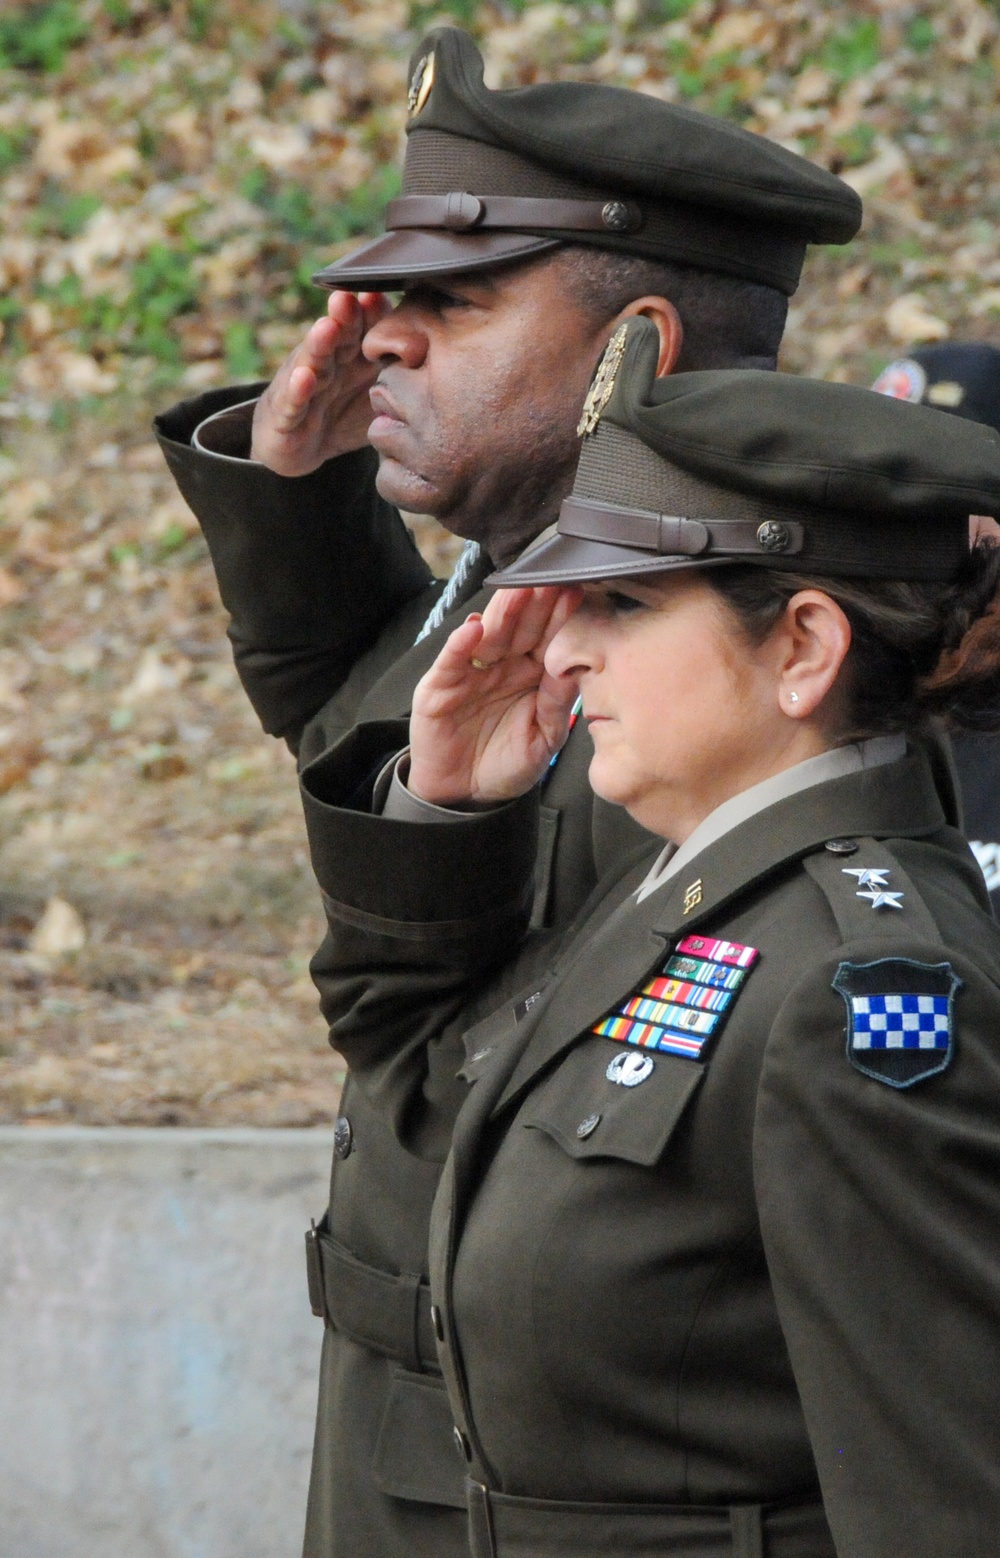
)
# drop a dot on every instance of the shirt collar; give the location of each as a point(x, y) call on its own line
point(850, 759)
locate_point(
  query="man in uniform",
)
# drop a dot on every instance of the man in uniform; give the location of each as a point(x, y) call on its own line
point(531, 223)
point(963, 378)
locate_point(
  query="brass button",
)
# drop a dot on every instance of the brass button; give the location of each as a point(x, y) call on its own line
point(588, 1126)
point(343, 1137)
point(437, 1322)
point(842, 846)
point(462, 1445)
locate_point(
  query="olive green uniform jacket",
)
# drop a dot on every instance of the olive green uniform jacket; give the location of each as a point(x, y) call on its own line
point(674, 1315)
point(327, 593)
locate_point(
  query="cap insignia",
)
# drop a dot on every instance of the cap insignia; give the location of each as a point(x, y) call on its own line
point(601, 389)
point(946, 393)
point(420, 85)
point(902, 380)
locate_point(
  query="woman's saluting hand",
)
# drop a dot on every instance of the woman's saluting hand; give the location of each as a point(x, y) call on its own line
point(487, 717)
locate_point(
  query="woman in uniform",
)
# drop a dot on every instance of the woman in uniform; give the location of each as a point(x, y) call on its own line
point(716, 1258)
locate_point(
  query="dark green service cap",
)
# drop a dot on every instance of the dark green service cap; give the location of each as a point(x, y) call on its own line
point(702, 469)
point(495, 176)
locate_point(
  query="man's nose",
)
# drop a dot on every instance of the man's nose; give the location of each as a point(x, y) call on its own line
point(397, 338)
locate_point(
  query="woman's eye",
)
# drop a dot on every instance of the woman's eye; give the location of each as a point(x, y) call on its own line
point(622, 604)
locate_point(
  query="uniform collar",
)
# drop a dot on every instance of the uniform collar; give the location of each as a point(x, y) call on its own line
point(893, 800)
point(836, 764)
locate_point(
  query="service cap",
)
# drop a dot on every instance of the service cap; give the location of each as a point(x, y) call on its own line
point(735, 465)
point(963, 378)
point(494, 176)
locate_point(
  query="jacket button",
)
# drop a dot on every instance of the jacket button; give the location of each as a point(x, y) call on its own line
point(842, 846)
point(343, 1137)
point(588, 1126)
point(462, 1445)
point(437, 1322)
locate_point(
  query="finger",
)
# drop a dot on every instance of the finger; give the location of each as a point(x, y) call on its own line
point(530, 623)
point(454, 661)
point(554, 705)
point(501, 622)
point(374, 306)
point(301, 386)
point(567, 601)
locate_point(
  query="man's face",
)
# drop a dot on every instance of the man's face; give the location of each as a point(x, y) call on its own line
point(481, 380)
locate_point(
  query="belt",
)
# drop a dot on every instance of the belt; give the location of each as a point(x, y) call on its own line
point(501, 1526)
point(385, 1312)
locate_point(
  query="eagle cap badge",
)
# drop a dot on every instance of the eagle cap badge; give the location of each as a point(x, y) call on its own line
point(603, 383)
point(420, 85)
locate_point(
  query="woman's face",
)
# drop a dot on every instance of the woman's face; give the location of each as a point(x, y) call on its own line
point(683, 711)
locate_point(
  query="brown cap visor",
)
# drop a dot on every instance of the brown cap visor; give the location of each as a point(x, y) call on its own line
point(567, 560)
point(390, 262)
point(606, 541)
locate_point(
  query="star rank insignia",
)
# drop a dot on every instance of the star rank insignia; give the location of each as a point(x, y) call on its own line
point(899, 1018)
point(601, 389)
point(420, 85)
point(873, 884)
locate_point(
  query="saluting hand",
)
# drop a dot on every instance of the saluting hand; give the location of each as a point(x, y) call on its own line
point(317, 406)
point(487, 717)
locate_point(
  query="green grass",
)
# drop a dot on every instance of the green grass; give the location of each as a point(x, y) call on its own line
point(853, 50)
point(38, 37)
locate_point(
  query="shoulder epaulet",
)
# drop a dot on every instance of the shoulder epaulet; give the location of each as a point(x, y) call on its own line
point(869, 893)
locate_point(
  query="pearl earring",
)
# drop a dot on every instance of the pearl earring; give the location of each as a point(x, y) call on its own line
point(793, 697)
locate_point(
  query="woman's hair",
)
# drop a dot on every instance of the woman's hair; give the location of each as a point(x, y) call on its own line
point(917, 650)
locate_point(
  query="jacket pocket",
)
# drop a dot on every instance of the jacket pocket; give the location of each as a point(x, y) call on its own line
point(590, 1115)
point(415, 1457)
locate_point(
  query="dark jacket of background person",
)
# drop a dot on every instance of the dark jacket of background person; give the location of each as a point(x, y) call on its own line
point(962, 377)
point(747, 1282)
point(325, 599)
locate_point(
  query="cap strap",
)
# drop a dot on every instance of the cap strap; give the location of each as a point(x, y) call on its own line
point(461, 212)
point(671, 535)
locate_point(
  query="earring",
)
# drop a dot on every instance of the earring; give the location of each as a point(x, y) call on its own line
point(793, 697)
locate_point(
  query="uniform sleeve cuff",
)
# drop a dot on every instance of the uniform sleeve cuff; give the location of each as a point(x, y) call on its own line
point(392, 799)
point(227, 434)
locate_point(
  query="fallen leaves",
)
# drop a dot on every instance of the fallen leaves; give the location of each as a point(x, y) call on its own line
point(908, 319)
point(59, 931)
point(167, 190)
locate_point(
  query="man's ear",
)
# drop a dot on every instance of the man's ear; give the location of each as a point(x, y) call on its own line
point(667, 321)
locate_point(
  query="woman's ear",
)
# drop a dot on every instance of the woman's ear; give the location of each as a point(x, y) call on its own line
point(812, 640)
point(668, 323)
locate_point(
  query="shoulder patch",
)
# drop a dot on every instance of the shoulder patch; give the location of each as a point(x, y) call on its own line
point(900, 1025)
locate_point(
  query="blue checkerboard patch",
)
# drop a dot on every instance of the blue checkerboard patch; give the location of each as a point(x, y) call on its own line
point(900, 1018)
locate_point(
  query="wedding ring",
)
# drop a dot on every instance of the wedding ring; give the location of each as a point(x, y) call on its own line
point(479, 665)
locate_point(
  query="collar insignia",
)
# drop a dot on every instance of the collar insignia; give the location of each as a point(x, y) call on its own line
point(420, 85)
point(899, 1018)
point(600, 390)
point(682, 1007)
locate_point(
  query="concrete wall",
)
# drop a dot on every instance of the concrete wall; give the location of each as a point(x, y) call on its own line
point(158, 1358)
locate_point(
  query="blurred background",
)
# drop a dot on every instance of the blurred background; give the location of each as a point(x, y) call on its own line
point(171, 172)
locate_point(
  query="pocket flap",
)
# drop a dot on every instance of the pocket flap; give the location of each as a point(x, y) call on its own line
point(415, 1457)
point(591, 1116)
